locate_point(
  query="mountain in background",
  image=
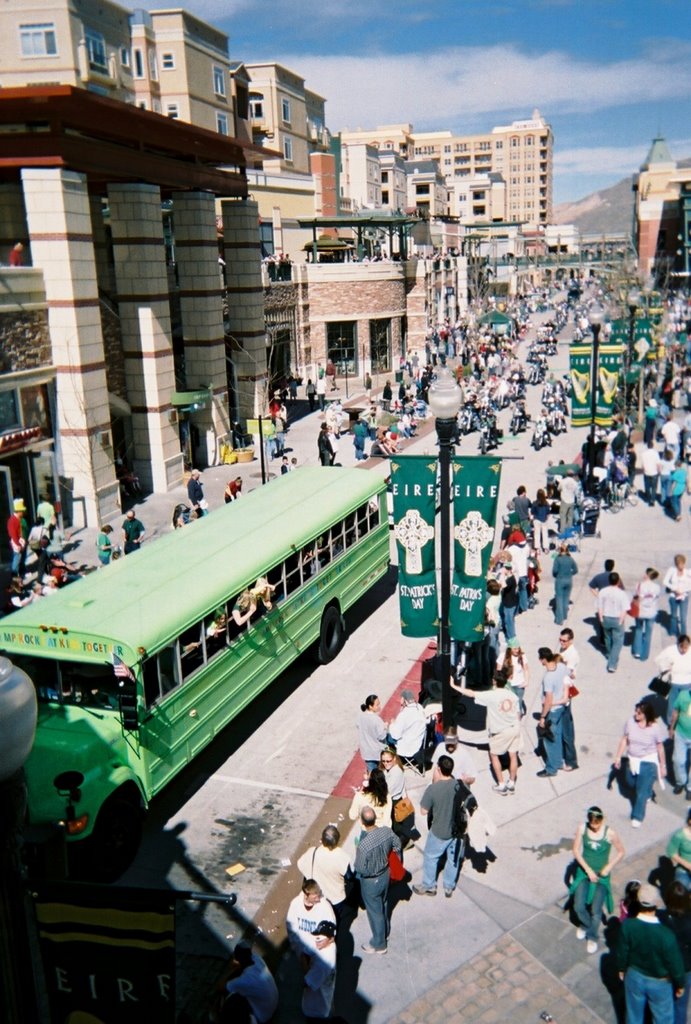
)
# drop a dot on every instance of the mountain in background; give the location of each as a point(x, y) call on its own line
point(603, 213)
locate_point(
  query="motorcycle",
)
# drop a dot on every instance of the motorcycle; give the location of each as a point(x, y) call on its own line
point(490, 435)
point(541, 437)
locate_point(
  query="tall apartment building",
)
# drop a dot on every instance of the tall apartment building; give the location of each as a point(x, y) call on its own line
point(394, 195)
point(167, 61)
point(521, 152)
point(285, 116)
point(360, 176)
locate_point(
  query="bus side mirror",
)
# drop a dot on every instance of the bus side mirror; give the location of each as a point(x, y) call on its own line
point(128, 706)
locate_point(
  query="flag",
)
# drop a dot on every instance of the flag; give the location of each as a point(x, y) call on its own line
point(475, 499)
point(414, 488)
point(108, 954)
point(580, 357)
point(122, 673)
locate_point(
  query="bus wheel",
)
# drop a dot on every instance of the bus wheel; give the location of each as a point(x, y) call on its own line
point(332, 634)
point(116, 838)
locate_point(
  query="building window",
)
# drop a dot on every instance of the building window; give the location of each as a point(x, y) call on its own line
point(124, 56)
point(385, 177)
point(38, 40)
point(285, 111)
point(172, 111)
point(153, 66)
point(385, 197)
point(167, 61)
point(288, 150)
point(219, 81)
point(257, 109)
point(242, 101)
point(96, 49)
point(341, 344)
point(138, 64)
point(221, 123)
point(499, 145)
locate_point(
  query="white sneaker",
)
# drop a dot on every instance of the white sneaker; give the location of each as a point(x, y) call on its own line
point(590, 946)
point(510, 787)
point(500, 788)
point(635, 823)
point(580, 934)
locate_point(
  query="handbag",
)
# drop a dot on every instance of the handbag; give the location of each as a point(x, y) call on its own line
point(661, 686)
point(396, 870)
point(573, 691)
point(402, 809)
point(635, 607)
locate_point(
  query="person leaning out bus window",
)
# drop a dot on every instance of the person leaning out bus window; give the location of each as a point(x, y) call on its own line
point(244, 608)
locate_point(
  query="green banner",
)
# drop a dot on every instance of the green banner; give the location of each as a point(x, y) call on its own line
point(579, 371)
point(414, 488)
point(619, 334)
point(609, 365)
point(475, 498)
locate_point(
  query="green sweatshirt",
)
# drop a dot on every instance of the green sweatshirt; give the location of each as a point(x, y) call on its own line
point(652, 949)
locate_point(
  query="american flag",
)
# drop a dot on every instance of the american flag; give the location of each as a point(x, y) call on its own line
point(121, 671)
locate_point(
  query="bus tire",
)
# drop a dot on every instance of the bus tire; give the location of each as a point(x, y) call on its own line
point(116, 838)
point(332, 634)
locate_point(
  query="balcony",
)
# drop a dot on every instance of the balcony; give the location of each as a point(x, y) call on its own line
point(21, 290)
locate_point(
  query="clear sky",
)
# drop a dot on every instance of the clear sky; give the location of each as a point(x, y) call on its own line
point(608, 75)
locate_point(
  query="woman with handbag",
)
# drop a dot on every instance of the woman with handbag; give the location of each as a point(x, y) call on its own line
point(643, 745)
point(375, 794)
point(403, 812)
point(644, 608)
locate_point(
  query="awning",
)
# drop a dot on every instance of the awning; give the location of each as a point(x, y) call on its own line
point(192, 399)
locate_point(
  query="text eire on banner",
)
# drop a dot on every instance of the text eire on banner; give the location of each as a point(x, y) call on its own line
point(475, 500)
point(414, 490)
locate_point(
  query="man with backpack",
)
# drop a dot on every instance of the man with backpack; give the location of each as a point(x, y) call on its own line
point(447, 804)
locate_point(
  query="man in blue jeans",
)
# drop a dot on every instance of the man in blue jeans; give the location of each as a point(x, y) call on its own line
point(613, 604)
point(555, 706)
point(437, 804)
point(372, 869)
point(649, 962)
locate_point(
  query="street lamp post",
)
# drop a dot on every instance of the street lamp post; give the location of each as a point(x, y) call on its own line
point(445, 401)
point(633, 301)
point(596, 318)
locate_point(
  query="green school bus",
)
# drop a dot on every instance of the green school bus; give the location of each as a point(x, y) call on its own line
point(138, 666)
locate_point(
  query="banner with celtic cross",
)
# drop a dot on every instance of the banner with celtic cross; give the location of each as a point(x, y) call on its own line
point(413, 489)
point(475, 486)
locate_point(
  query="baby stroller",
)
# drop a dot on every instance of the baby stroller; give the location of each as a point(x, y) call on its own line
point(590, 514)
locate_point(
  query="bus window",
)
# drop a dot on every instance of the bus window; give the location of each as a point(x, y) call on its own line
point(308, 562)
point(242, 609)
point(151, 687)
point(215, 632)
point(323, 550)
point(350, 532)
point(337, 542)
point(292, 573)
point(275, 578)
point(43, 672)
point(362, 520)
point(89, 684)
point(191, 649)
point(168, 671)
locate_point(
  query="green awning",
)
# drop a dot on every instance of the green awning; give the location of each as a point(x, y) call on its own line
point(193, 399)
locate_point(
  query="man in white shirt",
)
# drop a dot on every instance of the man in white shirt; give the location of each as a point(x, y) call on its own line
point(568, 653)
point(568, 490)
point(672, 434)
point(676, 659)
point(463, 764)
point(612, 605)
point(519, 560)
point(407, 731)
point(650, 464)
point(249, 985)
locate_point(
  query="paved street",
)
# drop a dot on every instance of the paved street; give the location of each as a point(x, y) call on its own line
point(264, 790)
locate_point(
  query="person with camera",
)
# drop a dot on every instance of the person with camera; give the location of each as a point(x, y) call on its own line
point(311, 927)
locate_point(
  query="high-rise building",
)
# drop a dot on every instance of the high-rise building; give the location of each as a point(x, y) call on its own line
point(285, 116)
point(521, 153)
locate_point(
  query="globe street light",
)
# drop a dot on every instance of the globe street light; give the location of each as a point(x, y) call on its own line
point(17, 730)
point(444, 400)
point(596, 318)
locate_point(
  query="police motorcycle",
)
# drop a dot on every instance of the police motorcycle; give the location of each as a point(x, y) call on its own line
point(519, 419)
point(490, 435)
point(541, 435)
